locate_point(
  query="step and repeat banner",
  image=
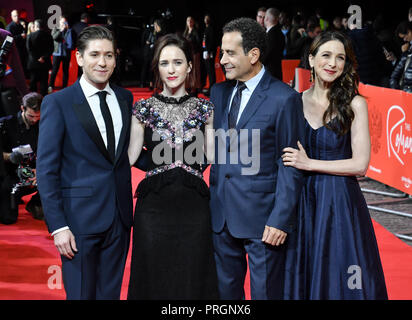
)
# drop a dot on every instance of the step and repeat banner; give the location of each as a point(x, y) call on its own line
point(390, 121)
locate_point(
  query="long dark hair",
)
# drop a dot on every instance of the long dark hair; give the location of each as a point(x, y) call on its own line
point(343, 89)
point(181, 43)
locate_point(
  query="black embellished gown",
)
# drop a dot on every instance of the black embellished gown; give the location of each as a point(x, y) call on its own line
point(172, 253)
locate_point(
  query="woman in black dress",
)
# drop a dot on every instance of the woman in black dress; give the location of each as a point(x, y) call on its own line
point(172, 253)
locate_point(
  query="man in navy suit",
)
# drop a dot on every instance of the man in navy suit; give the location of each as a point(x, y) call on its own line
point(83, 172)
point(252, 205)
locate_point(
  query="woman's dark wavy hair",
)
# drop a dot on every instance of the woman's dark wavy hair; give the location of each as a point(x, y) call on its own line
point(174, 40)
point(343, 89)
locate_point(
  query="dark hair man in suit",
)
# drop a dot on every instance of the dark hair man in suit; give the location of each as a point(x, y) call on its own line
point(84, 174)
point(252, 206)
point(40, 47)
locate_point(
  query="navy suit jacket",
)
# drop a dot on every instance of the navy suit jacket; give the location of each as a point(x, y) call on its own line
point(269, 197)
point(80, 186)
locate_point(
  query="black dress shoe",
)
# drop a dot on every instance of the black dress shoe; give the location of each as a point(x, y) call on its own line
point(36, 211)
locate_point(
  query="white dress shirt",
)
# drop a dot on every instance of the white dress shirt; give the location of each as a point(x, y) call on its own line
point(90, 93)
point(251, 85)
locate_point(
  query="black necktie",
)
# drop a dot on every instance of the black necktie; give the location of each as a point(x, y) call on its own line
point(104, 108)
point(234, 108)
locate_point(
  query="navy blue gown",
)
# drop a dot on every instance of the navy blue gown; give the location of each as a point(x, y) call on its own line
point(333, 253)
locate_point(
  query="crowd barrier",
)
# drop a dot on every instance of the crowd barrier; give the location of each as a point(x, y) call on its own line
point(288, 70)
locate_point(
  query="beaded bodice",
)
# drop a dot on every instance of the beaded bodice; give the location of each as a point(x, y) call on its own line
point(172, 125)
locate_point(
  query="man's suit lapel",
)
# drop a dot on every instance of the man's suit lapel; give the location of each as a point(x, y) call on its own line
point(254, 102)
point(85, 116)
point(126, 124)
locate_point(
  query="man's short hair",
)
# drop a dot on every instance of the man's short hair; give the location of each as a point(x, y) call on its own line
point(39, 23)
point(84, 15)
point(403, 27)
point(273, 12)
point(94, 33)
point(312, 27)
point(33, 101)
point(253, 34)
point(261, 9)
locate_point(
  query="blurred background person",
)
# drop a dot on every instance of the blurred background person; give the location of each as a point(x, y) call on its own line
point(63, 45)
point(304, 43)
point(285, 24)
point(324, 24)
point(192, 34)
point(19, 35)
point(337, 24)
point(30, 27)
point(149, 38)
point(40, 47)
point(295, 34)
point(345, 20)
point(302, 46)
point(401, 77)
point(373, 67)
point(387, 38)
point(275, 43)
point(12, 82)
point(77, 28)
point(209, 44)
point(260, 16)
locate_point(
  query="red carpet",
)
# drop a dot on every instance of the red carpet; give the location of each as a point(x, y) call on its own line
point(29, 267)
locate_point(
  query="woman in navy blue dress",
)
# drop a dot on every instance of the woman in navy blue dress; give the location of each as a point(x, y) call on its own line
point(333, 254)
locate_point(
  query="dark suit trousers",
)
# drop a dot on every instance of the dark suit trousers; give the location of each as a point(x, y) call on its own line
point(96, 271)
point(41, 76)
point(266, 265)
point(210, 70)
point(65, 61)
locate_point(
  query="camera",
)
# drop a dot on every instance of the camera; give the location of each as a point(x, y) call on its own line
point(25, 173)
point(4, 50)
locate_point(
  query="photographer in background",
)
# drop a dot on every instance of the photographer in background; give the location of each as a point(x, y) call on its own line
point(12, 81)
point(20, 179)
